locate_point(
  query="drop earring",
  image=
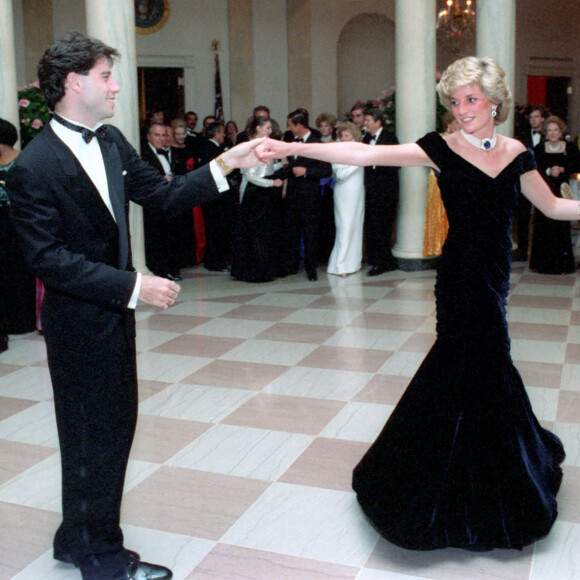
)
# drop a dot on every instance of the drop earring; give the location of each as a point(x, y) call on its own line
point(493, 112)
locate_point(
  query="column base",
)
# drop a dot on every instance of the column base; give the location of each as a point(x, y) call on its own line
point(417, 264)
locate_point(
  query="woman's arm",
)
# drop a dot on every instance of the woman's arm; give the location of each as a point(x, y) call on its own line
point(538, 192)
point(348, 153)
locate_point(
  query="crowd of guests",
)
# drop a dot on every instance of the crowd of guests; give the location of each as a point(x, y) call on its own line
point(288, 212)
point(278, 216)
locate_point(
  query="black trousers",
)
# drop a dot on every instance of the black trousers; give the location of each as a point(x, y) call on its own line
point(302, 219)
point(380, 214)
point(92, 363)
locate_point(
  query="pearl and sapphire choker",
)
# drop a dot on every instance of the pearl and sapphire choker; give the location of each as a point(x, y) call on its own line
point(485, 144)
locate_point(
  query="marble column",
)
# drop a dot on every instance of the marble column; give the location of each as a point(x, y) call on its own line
point(416, 107)
point(496, 37)
point(8, 88)
point(113, 22)
point(38, 32)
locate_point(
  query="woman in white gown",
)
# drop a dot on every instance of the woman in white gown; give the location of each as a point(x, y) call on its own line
point(349, 210)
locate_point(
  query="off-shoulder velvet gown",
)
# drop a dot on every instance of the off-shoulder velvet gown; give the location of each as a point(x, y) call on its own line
point(462, 460)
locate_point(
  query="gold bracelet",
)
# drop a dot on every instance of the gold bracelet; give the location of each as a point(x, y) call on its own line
point(225, 167)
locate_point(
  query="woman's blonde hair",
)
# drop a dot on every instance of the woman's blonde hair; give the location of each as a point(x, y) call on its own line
point(556, 120)
point(484, 72)
point(351, 128)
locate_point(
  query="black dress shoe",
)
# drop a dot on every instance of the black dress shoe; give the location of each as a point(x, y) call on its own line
point(174, 277)
point(375, 271)
point(143, 571)
point(67, 558)
point(3, 343)
point(217, 268)
point(312, 276)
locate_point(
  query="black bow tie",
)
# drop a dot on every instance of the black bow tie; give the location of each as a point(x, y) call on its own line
point(536, 132)
point(298, 140)
point(163, 152)
point(86, 133)
point(374, 137)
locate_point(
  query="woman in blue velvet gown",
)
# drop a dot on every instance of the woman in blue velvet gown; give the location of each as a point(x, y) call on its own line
point(462, 460)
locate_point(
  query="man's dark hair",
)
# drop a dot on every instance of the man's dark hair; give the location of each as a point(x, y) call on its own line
point(212, 129)
point(358, 107)
point(299, 117)
point(260, 108)
point(190, 113)
point(74, 52)
point(540, 108)
point(8, 133)
point(376, 113)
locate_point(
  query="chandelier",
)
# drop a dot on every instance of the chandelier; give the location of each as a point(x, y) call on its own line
point(455, 25)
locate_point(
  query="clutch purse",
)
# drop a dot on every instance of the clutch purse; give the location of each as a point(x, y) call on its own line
point(566, 191)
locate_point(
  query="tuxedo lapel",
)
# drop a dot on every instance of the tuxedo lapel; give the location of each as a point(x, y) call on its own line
point(114, 169)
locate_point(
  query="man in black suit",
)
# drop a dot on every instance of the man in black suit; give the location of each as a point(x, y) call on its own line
point(70, 191)
point(381, 198)
point(302, 199)
point(160, 251)
point(530, 136)
point(218, 214)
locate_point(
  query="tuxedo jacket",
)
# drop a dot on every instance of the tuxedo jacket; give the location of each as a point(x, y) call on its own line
point(315, 171)
point(382, 180)
point(68, 236)
point(150, 157)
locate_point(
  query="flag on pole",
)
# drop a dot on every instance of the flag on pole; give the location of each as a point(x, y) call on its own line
point(219, 104)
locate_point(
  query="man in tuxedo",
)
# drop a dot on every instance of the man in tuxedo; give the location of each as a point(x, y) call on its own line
point(357, 116)
point(160, 251)
point(381, 198)
point(530, 136)
point(302, 199)
point(218, 214)
point(70, 191)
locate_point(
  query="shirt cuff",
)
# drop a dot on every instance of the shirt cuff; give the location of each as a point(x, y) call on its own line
point(218, 176)
point(133, 302)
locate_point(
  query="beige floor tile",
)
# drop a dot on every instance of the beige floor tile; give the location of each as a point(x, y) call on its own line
point(542, 280)
point(10, 406)
point(383, 390)
point(453, 564)
point(535, 374)
point(172, 322)
point(575, 318)
point(16, 457)
point(226, 562)
point(327, 463)
point(553, 332)
point(235, 299)
point(573, 354)
point(411, 294)
point(199, 346)
point(568, 407)
point(251, 312)
point(282, 413)
point(25, 534)
point(149, 388)
point(194, 503)
point(343, 303)
point(419, 342)
point(298, 332)
point(6, 369)
point(158, 439)
point(380, 321)
point(236, 374)
point(347, 359)
point(526, 301)
point(569, 495)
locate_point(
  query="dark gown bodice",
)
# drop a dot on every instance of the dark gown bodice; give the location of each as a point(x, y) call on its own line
point(462, 460)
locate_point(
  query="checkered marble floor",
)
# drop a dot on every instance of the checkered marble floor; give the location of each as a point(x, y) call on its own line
point(256, 401)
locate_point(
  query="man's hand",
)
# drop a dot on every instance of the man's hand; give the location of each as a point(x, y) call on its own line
point(242, 155)
point(157, 291)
